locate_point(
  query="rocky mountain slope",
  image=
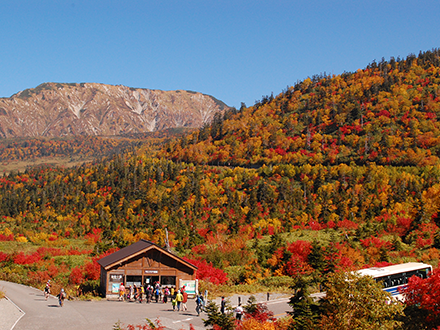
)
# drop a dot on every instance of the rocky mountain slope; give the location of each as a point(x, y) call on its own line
point(54, 109)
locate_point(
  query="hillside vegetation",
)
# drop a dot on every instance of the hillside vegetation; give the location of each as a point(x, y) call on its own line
point(335, 173)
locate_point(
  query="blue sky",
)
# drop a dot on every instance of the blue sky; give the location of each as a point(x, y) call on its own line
point(235, 50)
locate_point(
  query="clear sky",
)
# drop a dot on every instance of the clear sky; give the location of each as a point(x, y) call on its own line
point(235, 50)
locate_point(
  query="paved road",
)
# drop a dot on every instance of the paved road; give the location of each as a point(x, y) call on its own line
point(34, 312)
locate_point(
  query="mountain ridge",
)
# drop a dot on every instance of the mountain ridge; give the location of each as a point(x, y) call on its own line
point(65, 109)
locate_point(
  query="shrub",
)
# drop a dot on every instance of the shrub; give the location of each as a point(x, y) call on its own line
point(38, 277)
point(22, 259)
point(6, 237)
point(4, 256)
point(76, 276)
point(92, 270)
point(207, 272)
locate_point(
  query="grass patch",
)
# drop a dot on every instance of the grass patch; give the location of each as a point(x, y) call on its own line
point(13, 246)
point(324, 237)
point(2, 293)
point(21, 165)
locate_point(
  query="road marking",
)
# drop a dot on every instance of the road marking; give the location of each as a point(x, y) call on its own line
point(278, 301)
point(282, 314)
point(185, 320)
point(18, 309)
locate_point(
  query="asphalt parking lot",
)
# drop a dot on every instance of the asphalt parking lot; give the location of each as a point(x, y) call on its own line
point(27, 309)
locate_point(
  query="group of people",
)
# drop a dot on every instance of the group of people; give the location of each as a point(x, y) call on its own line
point(156, 292)
point(147, 293)
point(61, 295)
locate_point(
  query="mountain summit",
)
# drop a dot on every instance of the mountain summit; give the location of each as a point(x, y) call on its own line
point(60, 109)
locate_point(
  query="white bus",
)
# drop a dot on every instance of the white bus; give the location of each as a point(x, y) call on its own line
point(396, 276)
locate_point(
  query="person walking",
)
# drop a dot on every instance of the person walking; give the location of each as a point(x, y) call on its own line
point(47, 290)
point(121, 291)
point(199, 304)
point(61, 296)
point(179, 299)
point(184, 300)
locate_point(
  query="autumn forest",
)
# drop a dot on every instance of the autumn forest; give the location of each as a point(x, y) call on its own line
point(336, 173)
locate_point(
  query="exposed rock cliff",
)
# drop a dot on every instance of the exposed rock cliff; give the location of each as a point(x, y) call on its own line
point(53, 109)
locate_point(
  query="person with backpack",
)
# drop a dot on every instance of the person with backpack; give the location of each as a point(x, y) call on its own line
point(199, 304)
point(47, 290)
point(157, 293)
point(184, 300)
point(166, 293)
point(179, 299)
point(148, 294)
point(61, 296)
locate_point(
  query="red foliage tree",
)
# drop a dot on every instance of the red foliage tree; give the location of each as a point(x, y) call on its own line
point(425, 294)
point(208, 272)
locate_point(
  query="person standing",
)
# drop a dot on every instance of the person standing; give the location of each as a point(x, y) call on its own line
point(223, 305)
point(148, 293)
point(141, 294)
point(157, 293)
point(166, 293)
point(130, 293)
point(239, 312)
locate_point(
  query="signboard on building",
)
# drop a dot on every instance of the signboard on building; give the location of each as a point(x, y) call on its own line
point(191, 286)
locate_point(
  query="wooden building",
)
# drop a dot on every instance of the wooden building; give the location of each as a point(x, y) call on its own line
point(143, 263)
